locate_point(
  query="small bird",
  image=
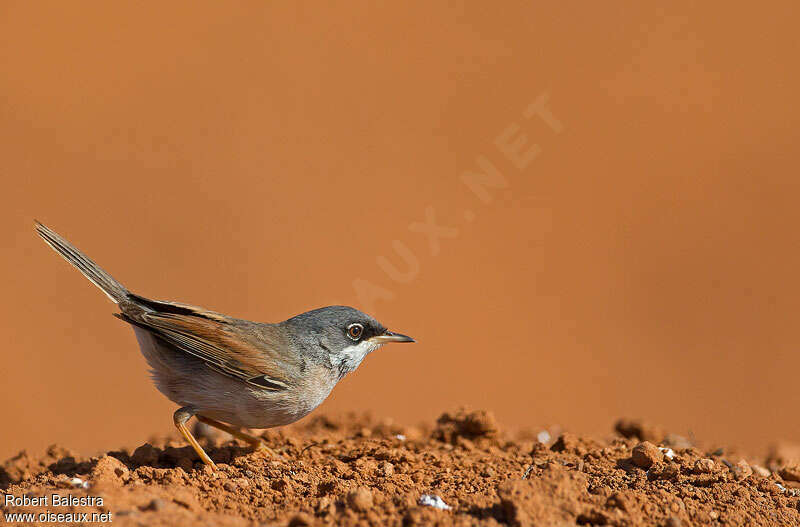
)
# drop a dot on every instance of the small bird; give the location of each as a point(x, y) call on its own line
point(231, 373)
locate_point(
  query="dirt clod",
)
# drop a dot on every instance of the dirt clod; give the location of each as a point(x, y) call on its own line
point(386, 469)
point(704, 466)
point(639, 429)
point(146, 454)
point(645, 454)
point(156, 505)
point(790, 472)
point(742, 470)
point(301, 520)
point(761, 471)
point(108, 470)
point(783, 454)
point(465, 424)
point(360, 499)
point(665, 471)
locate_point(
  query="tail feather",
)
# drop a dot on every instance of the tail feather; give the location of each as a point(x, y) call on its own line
point(113, 289)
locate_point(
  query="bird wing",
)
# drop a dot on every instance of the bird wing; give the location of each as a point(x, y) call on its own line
point(223, 343)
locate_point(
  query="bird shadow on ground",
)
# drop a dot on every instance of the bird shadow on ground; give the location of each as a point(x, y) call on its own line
point(183, 457)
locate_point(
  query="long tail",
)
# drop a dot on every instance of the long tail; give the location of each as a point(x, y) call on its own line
point(113, 289)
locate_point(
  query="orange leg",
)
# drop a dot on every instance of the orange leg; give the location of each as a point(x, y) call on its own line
point(257, 442)
point(181, 416)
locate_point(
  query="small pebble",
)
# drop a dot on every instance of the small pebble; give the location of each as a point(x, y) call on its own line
point(386, 469)
point(429, 500)
point(78, 482)
point(704, 466)
point(645, 454)
point(742, 470)
point(761, 471)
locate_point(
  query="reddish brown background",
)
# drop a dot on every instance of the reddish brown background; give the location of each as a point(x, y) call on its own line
point(257, 159)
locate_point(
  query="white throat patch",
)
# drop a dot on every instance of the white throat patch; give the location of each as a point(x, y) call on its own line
point(352, 356)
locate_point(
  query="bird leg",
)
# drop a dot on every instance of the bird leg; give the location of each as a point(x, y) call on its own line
point(180, 417)
point(256, 442)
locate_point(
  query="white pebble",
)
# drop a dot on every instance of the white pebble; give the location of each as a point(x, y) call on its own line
point(401, 437)
point(543, 437)
point(78, 482)
point(790, 492)
point(668, 452)
point(434, 501)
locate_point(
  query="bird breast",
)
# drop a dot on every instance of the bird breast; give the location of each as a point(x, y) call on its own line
point(277, 408)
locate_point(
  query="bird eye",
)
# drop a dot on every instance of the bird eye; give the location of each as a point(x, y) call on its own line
point(354, 331)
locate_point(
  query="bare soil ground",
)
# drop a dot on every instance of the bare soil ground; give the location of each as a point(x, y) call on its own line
point(462, 470)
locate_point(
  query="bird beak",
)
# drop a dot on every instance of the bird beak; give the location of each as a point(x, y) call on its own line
point(390, 336)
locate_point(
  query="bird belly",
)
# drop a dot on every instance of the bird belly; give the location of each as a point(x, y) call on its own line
point(187, 381)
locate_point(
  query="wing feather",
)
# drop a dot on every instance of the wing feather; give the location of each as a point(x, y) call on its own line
point(243, 350)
